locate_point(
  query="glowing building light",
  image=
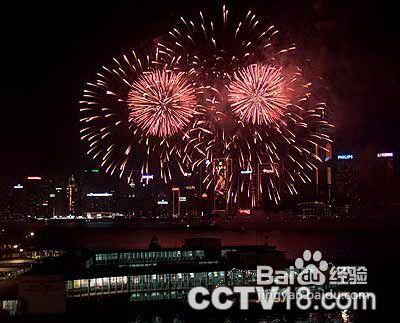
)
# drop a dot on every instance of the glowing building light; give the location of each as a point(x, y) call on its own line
point(18, 187)
point(383, 155)
point(187, 174)
point(147, 176)
point(189, 188)
point(95, 170)
point(34, 178)
point(162, 202)
point(182, 199)
point(52, 195)
point(345, 157)
point(175, 188)
point(99, 194)
point(58, 189)
point(268, 171)
point(245, 171)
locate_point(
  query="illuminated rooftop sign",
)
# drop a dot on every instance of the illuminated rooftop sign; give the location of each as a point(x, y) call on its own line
point(345, 157)
point(34, 178)
point(99, 194)
point(18, 186)
point(162, 202)
point(245, 171)
point(383, 155)
point(147, 176)
point(268, 171)
point(182, 199)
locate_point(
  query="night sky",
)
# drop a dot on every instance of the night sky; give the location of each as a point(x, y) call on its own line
point(49, 50)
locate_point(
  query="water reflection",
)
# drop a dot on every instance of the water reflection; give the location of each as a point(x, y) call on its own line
point(337, 317)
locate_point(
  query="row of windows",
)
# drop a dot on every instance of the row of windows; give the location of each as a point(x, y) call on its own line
point(173, 294)
point(136, 256)
point(9, 306)
point(166, 282)
point(142, 279)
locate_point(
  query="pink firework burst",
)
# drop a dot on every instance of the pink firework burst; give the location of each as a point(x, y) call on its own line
point(162, 102)
point(257, 94)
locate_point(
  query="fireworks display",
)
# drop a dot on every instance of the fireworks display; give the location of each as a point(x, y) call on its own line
point(161, 102)
point(213, 90)
point(256, 94)
point(133, 112)
point(260, 109)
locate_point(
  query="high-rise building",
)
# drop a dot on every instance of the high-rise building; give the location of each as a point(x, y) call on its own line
point(58, 203)
point(162, 208)
point(176, 202)
point(31, 197)
point(246, 190)
point(222, 171)
point(72, 196)
point(346, 177)
point(190, 203)
point(265, 173)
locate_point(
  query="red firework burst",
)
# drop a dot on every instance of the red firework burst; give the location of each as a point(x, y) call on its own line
point(256, 94)
point(161, 102)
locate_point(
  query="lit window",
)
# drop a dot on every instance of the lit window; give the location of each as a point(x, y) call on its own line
point(92, 282)
point(99, 282)
point(77, 283)
point(84, 283)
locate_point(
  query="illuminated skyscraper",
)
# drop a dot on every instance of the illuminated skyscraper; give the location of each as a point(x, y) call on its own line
point(222, 169)
point(72, 195)
point(176, 202)
point(246, 196)
point(264, 173)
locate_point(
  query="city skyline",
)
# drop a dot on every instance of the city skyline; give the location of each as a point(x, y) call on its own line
point(45, 133)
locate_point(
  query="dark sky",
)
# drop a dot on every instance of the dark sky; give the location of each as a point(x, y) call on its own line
point(49, 50)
